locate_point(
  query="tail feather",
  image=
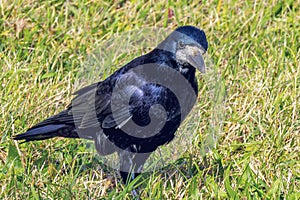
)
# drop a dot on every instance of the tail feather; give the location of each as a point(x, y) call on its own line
point(46, 132)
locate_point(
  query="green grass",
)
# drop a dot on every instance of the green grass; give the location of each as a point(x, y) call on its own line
point(254, 46)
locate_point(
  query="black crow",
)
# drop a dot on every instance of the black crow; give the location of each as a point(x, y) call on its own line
point(139, 107)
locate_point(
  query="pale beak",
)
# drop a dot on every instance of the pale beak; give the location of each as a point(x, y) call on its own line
point(194, 57)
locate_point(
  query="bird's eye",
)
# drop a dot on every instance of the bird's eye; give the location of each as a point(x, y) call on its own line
point(180, 44)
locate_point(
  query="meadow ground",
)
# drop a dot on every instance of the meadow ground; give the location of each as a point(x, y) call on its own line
point(255, 47)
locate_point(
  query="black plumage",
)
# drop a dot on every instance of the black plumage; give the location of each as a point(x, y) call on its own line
point(117, 112)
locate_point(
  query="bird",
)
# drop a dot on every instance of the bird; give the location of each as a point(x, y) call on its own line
point(137, 108)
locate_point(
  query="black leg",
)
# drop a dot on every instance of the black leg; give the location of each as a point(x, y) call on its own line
point(131, 164)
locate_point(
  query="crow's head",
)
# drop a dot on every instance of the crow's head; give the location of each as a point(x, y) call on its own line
point(188, 44)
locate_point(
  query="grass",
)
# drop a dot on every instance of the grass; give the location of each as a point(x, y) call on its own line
point(255, 46)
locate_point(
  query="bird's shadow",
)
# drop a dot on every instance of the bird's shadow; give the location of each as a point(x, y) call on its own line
point(64, 160)
point(188, 167)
